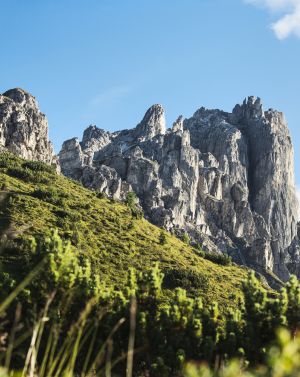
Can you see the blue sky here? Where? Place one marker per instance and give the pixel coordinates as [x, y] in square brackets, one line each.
[105, 62]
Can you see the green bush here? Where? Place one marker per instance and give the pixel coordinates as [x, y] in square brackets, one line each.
[49, 195]
[186, 279]
[101, 195]
[162, 238]
[222, 259]
[28, 175]
[186, 238]
[168, 333]
[29, 171]
[132, 203]
[199, 251]
[8, 160]
[282, 360]
[38, 166]
[19, 172]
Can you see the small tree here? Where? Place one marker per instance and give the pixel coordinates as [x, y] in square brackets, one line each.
[162, 238]
[131, 199]
[131, 202]
[293, 304]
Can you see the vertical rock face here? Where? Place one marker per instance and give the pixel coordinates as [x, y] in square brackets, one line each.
[271, 174]
[226, 178]
[23, 128]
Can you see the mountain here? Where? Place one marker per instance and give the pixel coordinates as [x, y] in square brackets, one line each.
[34, 199]
[226, 179]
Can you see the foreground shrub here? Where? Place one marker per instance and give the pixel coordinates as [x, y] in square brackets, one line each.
[68, 309]
[282, 360]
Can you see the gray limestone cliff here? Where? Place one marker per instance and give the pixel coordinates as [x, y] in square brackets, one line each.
[225, 178]
[23, 128]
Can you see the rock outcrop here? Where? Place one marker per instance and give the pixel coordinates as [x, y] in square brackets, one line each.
[23, 128]
[225, 178]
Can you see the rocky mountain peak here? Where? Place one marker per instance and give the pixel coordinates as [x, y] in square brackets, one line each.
[153, 124]
[251, 108]
[22, 98]
[92, 132]
[23, 128]
[178, 124]
[225, 178]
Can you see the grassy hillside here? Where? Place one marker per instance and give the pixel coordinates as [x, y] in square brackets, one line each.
[34, 200]
[51, 286]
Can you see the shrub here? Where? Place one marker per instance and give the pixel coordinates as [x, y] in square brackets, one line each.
[66, 218]
[186, 279]
[101, 195]
[162, 238]
[3, 185]
[131, 199]
[222, 259]
[28, 175]
[185, 238]
[8, 160]
[38, 166]
[49, 195]
[282, 360]
[131, 202]
[167, 333]
[199, 251]
[19, 172]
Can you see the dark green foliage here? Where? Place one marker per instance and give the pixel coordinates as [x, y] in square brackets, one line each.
[199, 251]
[222, 259]
[101, 195]
[131, 199]
[9, 160]
[168, 332]
[38, 166]
[162, 238]
[3, 186]
[66, 218]
[19, 172]
[132, 203]
[28, 175]
[49, 195]
[291, 297]
[186, 279]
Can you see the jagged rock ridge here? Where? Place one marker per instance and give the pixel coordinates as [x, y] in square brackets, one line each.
[23, 128]
[225, 178]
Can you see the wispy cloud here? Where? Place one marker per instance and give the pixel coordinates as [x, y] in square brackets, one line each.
[288, 12]
[110, 96]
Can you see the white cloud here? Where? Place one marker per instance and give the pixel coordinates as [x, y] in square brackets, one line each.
[289, 16]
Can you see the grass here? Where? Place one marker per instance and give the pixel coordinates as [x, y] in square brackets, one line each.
[34, 199]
